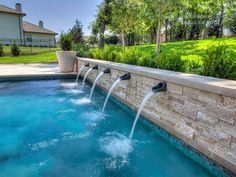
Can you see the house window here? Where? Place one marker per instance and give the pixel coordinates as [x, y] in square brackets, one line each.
[29, 38]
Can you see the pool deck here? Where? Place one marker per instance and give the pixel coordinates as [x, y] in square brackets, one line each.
[31, 70]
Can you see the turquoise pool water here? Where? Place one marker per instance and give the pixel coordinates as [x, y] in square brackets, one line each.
[50, 128]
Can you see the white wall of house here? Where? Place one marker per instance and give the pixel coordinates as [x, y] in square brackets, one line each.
[11, 27]
[39, 39]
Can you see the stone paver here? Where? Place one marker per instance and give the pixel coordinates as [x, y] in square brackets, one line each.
[28, 69]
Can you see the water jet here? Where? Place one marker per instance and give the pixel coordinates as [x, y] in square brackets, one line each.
[161, 87]
[125, 77]
[87, 73]
[106, 71]
[82, 67]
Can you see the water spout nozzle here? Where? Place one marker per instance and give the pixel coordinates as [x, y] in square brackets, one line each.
[95, 67]
[86, 65]
[127, 76]
[161, 87]
[107, 71]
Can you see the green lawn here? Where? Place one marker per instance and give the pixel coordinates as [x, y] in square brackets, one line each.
[191, 49]
[40, 58]
[30, 50]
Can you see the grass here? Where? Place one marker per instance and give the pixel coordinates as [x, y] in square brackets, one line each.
[190, 50]
[30, 50]
[40, 58]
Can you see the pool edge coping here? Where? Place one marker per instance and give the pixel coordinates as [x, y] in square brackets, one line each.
[209, 84]
[23, 77]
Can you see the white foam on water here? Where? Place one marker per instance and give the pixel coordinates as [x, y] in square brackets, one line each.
[111, 163]
[42, 164]
[73, 91]
[93, 116]
[68, 85]
[43, 144]
[67, 111]
[61, 99]
[69, 136]
[93, 125]
[81, 101]
[116, 145]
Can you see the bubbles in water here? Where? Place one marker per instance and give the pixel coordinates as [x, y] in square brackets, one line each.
[93, 116]
[116, 145]
[93, 125]
[41, 164]
[69, 85]
[112, 163]
[73, 91]
[43, 144]
[61, 99]
[67, 111]
[74, 136]
[81, 101]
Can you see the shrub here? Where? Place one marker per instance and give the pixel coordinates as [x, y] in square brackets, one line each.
[171, 61]
[15, 50]
[148, 60]
[194, 65]
[66, 42]
[97, 53]
[218, 62]
[82, 51]
[1, 50]
[130, 56]
[108, 53]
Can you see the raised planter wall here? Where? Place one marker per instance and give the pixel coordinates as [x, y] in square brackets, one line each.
[199, 110]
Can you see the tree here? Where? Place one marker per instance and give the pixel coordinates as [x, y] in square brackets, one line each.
[232, 26]
[127, 18]
[159, 9]
[111, 39]
[101, 21]
[92, 39]
[77, 33]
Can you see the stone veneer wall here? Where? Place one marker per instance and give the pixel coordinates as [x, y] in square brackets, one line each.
[203, 119]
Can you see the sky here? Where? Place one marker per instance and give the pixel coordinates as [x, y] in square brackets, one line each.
[57, 15]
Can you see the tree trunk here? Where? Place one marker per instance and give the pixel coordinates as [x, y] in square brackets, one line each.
[184, 28]
[158, 44]
[123, 41]
[166, 26]
[221, 22]
[101, 36]
[103, 24]
[158, 41]
[171, 32]
[205, 27]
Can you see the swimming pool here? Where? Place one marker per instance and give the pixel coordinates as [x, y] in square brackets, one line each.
[51, 128]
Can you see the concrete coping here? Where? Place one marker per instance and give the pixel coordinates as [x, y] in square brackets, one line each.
[210, 84]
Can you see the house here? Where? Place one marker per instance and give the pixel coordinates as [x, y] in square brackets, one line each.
[14, 29]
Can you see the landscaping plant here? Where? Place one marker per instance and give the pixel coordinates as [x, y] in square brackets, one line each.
[171, 61]
[15, 50]
[66, 42]
[1, 50]
[82, 50]
[217, 62]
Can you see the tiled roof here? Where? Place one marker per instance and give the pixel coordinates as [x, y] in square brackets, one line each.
[6, 9]
[29, 27]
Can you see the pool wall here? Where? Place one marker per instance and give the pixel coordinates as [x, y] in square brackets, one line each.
[201, 111]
